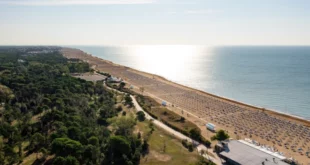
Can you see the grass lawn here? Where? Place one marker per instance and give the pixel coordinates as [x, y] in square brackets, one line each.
[150, 101]
[30, 159]
[175, 153]
[165, 115]
[172, 118]
[119, 98]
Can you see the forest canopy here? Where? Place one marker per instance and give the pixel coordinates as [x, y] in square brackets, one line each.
[64, 120]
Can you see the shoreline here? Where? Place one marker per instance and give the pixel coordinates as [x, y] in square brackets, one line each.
[305, 121]
[281, 132]
[296, 117]
[257, 107]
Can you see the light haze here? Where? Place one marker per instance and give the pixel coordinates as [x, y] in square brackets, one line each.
[135, 22]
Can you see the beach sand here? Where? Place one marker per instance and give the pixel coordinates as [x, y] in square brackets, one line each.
[282, 132]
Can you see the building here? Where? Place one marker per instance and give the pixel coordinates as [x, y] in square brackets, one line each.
[21, 61]
[238, 152]
[114, 79]
[210, 127]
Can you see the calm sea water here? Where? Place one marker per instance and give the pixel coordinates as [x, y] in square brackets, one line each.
[276, 78]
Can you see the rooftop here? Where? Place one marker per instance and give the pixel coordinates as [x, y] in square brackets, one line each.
[247, 155]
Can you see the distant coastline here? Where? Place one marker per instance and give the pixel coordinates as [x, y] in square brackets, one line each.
[239, 119]
[267, 110]
[299, 118]
[270, 77]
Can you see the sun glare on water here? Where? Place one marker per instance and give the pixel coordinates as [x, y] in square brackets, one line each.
[167, 60]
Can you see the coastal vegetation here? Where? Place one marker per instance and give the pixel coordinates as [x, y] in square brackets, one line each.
[159, 146]
[171, 119]
[122, 88]
[104, 74]
[220, 135]
[49, 117]
[165, 148]
[141, 116]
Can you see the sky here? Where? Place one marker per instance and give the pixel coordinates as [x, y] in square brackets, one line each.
[154, 22]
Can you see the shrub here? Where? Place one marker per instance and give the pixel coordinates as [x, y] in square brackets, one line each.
[141, 116]
[145, 147]
[190, 148]
[195, 134]
[139, 135]
[207, 143]
[184, 143]
[182, 119]
[220, 135]
[119, 108]
[128, 100]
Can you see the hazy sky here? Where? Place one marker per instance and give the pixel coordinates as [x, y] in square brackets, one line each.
[132, 22]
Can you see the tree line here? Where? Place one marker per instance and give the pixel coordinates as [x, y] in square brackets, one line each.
[45, 111]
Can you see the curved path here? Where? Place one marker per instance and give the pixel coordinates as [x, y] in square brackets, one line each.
[175, 133]
[170, 130]
[162, 125]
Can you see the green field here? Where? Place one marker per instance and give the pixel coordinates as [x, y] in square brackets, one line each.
[174, 154]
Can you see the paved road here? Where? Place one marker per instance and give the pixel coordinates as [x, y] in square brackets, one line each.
[175, 133]
[162, 125]
[170, 130]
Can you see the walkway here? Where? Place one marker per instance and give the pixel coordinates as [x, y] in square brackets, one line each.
[175, 133]
[170, 130]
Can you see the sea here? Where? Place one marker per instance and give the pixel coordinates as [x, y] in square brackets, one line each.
[271, 77]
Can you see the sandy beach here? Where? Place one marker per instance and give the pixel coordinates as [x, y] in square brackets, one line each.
[280, 132]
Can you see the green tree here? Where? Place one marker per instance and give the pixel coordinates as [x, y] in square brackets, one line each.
[2, 153]
[141, 116]
[70, 160]
[37, 141]
[190, 147]
[41, 155]
[5, 93]
[123, 125]
[121, 85]
[74, 133]
[195, 133]
[65, 147]
[62, 131]
[93, 141]
[119, 108]
[145, 147]
[220, 135]
[71, 112]
[91, 154]
[128, 100]
[182, 119]
[119, 150]
[10, 155]
[59, 160]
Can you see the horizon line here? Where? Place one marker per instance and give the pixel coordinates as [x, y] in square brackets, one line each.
[124, 45]
[74, 2]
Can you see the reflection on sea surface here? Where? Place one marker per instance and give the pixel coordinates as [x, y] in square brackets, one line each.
[177, 63]
[271, 77]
